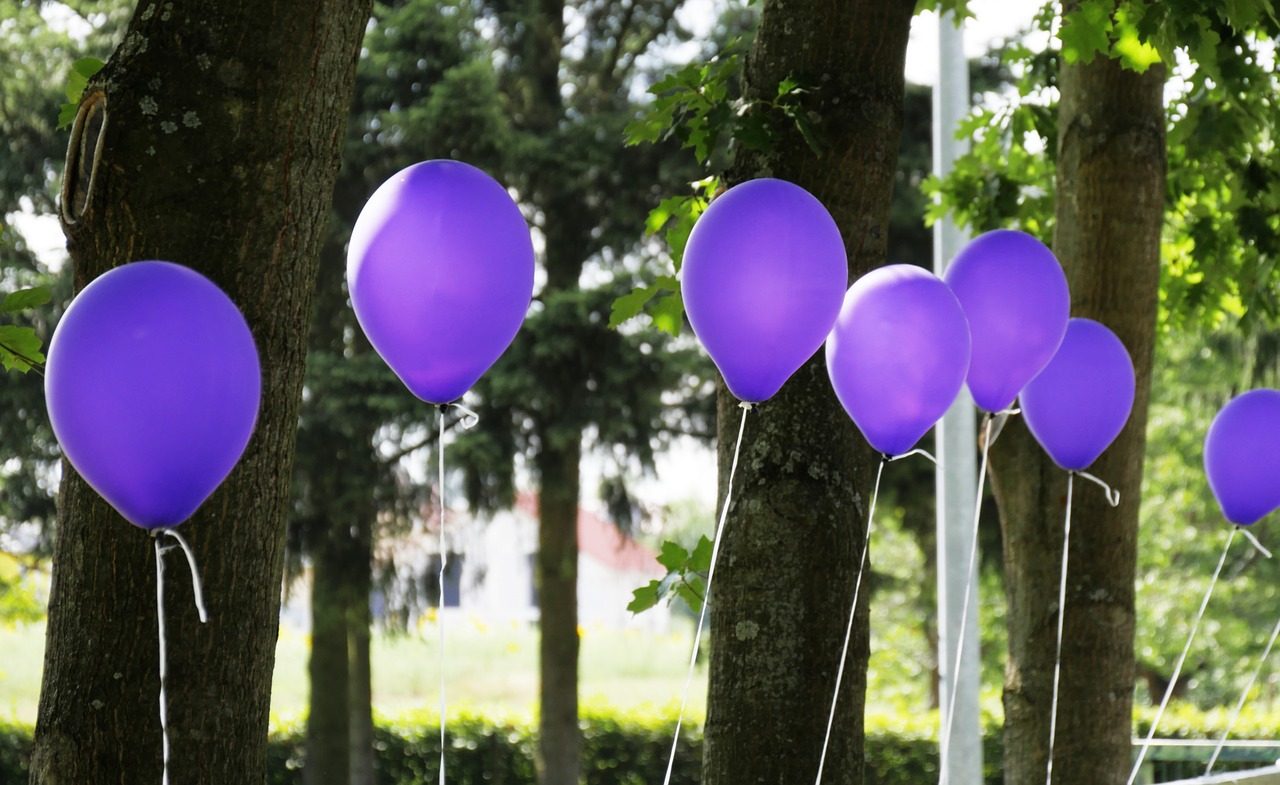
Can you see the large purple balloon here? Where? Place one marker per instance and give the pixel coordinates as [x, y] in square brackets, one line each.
[898, 354]
[1242, 456]
[1079, 403]
[153, 388]
[1015, 295]
[764, 273]
[440, 269]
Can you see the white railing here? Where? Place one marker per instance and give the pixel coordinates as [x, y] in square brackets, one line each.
[1269, 775]
[1182, 761]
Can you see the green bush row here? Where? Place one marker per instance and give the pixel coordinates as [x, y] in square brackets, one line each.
[630, 747]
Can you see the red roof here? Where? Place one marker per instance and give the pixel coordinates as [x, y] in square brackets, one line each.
[603, 541]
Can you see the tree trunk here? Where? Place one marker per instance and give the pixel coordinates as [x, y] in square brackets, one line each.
[360, 673]
[786, 571]
[1110, 191]
[328, 717]
[220, 153]
[557, 463]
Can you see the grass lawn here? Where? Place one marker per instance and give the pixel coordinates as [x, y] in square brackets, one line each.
[485, 667]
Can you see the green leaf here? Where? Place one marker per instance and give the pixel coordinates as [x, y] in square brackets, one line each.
[628, 305]
[644, 598]
[82, 71]
[26, 298]
[753, 134]
[673, 556]
[19, 348]
[787, 86]
[1086, 31]
[658, 216]
[67, 115]
[686, 593]
[807, 130]
[668, 313]
[1130, 49]
[700, 559]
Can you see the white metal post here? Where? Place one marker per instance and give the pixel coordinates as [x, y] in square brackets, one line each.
[957, 451]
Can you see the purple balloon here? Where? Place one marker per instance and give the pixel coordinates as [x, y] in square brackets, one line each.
[153, 387]
[1015, 295]
[763, 276]
[1080, 402]
[898, 354]
[440, 269]
[1242, 456]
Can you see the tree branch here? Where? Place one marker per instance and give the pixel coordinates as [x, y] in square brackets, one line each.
[38, 367]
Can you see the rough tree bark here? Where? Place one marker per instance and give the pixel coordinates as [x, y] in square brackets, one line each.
[219, 153]
[1109, 210]
[786, 571]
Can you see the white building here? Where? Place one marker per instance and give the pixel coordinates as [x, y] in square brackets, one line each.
[489, 573]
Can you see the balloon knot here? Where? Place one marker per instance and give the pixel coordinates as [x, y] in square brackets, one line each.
[746, 406]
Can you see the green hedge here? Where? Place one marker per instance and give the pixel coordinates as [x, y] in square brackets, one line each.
[629, 747]
[618, 748]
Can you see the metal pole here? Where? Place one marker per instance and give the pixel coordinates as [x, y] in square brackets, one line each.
[957, 451]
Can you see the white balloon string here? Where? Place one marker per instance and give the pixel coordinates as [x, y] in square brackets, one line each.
[440, 580]
[1254, 542]
[1177, 668]
[999, 419]
[1062, 614]
[198, 590]
[1244, 696]
[1113, 494]
[706, 598]
[469, 418]
[917, 451]
[164, 666]
[968, 588]
[853, 610]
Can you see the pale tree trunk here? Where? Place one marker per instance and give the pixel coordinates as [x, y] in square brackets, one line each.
[220, 154]
[785, 576]
[1110, 191]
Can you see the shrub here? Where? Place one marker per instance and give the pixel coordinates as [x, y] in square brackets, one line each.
[631, 747]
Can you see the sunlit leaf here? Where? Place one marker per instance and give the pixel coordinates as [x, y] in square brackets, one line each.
[26, 298]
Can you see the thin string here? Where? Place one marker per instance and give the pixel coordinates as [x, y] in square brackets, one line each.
[1113, 494]
[917, 451]
[1254, 541]
[711, 571]
[440, 607]
[1177, 668]
[853, 610]
[1062, 614]
[198, 591]
[968, 587]
[1222, 740]
[468, 420]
